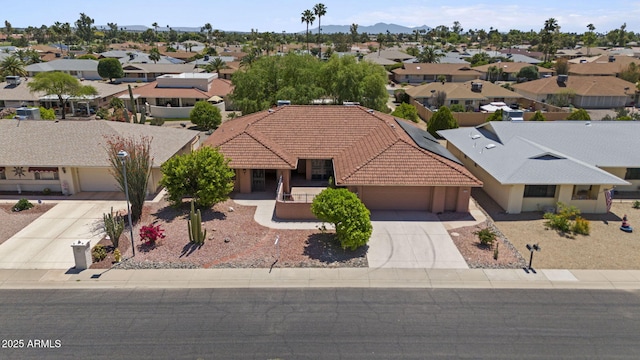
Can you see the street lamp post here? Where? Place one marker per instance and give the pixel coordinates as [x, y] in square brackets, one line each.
[122, 155]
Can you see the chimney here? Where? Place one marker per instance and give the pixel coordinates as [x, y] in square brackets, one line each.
[612, 58]
[562, 78]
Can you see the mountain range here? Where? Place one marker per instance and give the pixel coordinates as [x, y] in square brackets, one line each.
[326, 29]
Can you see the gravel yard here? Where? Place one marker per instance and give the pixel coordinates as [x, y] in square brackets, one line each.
[12, 222]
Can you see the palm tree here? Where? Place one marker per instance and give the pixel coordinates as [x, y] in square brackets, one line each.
[429, 55]
[319, 10]
[155, 28]
[12, 66]
[208, 29]
[216, 65]
[248, 59]
[308, 17]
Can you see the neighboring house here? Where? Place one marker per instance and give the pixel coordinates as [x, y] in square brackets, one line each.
[524, 52]
[388, 56]
[136, 57]
[514, 56]
[471, 94]
[419, 73]
[389, 163]
[206, 59]
[605, 65]
[576, 53]
[589, 92]
[173, 96]
[508, 71]
[530, 166]
[80, 68]
[19, 95]
[149, 72]
[71, 156]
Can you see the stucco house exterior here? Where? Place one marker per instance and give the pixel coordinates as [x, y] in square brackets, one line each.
[471, 94]
[588, 92]
[531, 165]
[418, 73]
[390, 163]
[70, 156]
[85, 69]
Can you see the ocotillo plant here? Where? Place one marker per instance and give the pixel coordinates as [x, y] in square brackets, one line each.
[196, 235]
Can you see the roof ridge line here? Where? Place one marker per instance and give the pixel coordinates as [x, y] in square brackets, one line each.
[263, 141]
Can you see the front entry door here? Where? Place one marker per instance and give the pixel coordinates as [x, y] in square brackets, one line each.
[257, 180]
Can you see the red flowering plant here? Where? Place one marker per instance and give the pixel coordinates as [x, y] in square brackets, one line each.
[149, 234]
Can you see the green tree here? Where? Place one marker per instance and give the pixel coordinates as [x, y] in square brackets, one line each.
[308, 17]
[84, 28]
[630, 73]
[343, 209]
[64, 86]
[429, 55]
[110, 68]
[205, 115]
[154, 55]
[548, 37]
[406, 111]
[216, 65]
[319, 10]
[203, 175]
[562, 66]
[589, 38]
[579, 114]
[538, 116]
[528, 72]
[137, 165]
[495, 116]
[12, 66]
[441, 120]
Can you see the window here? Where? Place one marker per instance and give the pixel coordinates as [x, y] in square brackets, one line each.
[632, 174]
[455, 101]
[3, 175]
[539, 191]
[46, 175]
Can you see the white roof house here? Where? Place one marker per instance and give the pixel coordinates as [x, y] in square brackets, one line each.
[574, 156]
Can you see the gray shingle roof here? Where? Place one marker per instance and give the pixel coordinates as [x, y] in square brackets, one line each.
[64, 65]
[80, 143]
[560, 152]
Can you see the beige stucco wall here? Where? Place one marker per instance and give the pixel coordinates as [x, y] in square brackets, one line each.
[243, 181]
[396, 197]
[294, 211]
[621, 172]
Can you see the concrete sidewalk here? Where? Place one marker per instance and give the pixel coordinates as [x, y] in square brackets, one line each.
[320, 278]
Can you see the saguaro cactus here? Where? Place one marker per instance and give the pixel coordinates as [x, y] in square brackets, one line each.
[196, 235]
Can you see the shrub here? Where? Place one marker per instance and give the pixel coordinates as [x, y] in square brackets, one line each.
[406, 111]
[156, 121]
[457, 108]
[486, 236]
[149, 234]
[205, 115]
[581, 226]
[347, 213]
[22, 204]
[98, 253]
[537, 116]
[46, 191]
[636, 204]
[47, 114]
[102, 113]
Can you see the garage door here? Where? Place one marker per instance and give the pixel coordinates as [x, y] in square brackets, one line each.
[397, 197]
[98, 179]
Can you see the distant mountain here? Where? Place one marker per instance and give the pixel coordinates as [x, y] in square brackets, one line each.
[373, 29]
[326, 29]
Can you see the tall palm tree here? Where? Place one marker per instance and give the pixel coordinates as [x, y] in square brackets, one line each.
[429, 55]
[319, 10]
[154, 55]
[216, 65]
[12, 66]
[308, 17]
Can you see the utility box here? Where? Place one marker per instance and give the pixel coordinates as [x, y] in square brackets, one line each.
[512, 115]
[24, 113]
[82, 253]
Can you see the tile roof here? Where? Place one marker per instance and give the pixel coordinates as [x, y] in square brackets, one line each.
[219, 87]
[582, 85]
[367, 147]
[602, 66]
[435, 69]
[80, 143]
[462, 91]
[512, 67]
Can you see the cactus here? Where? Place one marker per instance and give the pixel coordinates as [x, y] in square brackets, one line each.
[196, 235]
[113, 226]
[117, 256]
[143, 118]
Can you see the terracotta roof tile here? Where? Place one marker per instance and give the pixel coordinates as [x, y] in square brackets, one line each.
[367, 147]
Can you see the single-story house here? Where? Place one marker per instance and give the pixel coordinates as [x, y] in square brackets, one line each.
[71, 156]
[149, 72]
[418, 73]
[12, 95]
[173, 96]
[508, 71]
[605, 65]
[389, 163]
[471, 94]
[531, 165]
[86, 69]
[589, 92]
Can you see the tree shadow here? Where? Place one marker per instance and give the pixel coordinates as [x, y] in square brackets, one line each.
[210, 214]
[326, 249]
[169, 213]
[189, 249]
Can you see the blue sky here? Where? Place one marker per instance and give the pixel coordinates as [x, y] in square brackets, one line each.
[243, 15]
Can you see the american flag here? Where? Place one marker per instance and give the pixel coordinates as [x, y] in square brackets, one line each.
[608, 195]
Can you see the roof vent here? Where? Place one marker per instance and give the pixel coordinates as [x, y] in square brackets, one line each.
[612, 58]
[283, 102]
[206, 58]
[271, 111]
[489, 146]
[370, 111]
[563, 78]
[476, 87]
[476, 136]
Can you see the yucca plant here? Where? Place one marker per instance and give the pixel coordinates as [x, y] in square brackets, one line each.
[113, 226]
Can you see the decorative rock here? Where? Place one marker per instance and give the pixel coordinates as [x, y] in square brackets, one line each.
[226, 240]
[455, 234]
[231, 209]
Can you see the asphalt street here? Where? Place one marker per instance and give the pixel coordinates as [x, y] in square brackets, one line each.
[319, 324]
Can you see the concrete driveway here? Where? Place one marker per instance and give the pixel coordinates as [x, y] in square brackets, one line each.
[411, 239]
[46, 242]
